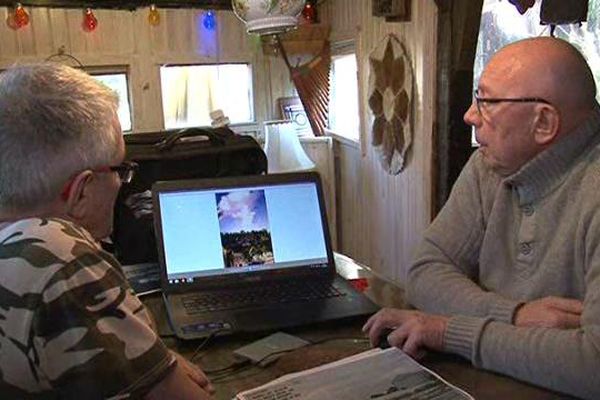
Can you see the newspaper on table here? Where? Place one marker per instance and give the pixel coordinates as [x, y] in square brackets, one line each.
[375, 374]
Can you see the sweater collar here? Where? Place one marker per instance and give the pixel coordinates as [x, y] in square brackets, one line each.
[548, 169]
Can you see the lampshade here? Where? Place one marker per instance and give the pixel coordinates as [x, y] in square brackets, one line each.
[283, 148]
[268, 17]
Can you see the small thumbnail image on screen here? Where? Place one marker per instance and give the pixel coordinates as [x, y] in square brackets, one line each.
[244, 226]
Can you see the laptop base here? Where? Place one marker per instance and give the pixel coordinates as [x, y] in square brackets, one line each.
[267, 318]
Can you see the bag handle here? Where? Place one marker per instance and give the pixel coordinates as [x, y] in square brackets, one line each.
[193, 135]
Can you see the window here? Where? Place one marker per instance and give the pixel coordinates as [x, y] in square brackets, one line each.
[343, 105]
[191, 92]
[118, 83]
[501, 24]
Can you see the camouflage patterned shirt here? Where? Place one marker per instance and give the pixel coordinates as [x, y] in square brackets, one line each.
[70, 325]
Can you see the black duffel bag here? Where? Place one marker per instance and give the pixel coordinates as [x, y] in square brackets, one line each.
[169, 155]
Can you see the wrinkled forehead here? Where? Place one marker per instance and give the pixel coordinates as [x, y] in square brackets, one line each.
[507, 68]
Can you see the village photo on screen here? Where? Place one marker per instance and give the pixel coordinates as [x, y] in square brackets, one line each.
[244, 227]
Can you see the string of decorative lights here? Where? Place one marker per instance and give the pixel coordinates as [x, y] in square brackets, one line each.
[19, 18]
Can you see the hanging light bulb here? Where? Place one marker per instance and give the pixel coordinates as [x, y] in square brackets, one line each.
[21, 18]
[209, 21]
[90, 22]
[153, 16]
[309, 12]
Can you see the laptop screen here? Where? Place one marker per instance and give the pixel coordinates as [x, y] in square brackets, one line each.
[213, 232]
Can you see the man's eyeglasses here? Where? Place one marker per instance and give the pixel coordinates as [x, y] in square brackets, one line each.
[125, 170]
[494, 100]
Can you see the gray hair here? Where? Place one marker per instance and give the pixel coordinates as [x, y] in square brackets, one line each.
[55, 121]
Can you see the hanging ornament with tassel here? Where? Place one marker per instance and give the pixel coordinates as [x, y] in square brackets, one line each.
[19, 18]
[90, 23]
[309, 12]
[153, 16]
[210, 20]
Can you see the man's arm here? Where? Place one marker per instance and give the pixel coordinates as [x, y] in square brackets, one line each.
[548, 350]
[442, 278]
[566, 360]
[94, 337]
[189, 373]
[563, 359]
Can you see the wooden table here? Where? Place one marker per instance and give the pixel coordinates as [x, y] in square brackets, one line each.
[335, 341]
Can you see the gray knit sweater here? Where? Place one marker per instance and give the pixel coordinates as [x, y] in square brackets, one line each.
[499, 242]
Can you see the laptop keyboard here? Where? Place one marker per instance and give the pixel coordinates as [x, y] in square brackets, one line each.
[271, 293]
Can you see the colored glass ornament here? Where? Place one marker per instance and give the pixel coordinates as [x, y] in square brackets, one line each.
[21, 18]
[90, 22]
[153, 16]
[309, 12]
[209, 21]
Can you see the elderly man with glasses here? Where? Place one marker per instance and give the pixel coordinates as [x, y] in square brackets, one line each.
[70, 326]
[508, 274]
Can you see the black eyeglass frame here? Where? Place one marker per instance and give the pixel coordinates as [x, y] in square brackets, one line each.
[495, 100]
[126, 170]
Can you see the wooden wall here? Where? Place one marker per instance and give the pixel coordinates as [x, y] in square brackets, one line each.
[382, 217]
[125, 38]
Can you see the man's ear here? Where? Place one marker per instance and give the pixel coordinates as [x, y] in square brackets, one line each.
[546, 124]
[78, 198]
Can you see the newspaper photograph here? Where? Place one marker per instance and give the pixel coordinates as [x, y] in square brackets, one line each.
[373, 375]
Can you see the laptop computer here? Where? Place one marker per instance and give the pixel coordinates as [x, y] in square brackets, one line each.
[245, 254]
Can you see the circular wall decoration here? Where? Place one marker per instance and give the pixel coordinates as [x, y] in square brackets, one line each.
[390, 102]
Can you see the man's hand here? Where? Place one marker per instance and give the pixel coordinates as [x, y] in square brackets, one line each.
[194, 373]
[184, 382]
[550, 312]
[414, 331]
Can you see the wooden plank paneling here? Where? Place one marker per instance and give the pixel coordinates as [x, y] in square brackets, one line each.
[56, 31]
[41, 39]
[126, 38]
[382, 217]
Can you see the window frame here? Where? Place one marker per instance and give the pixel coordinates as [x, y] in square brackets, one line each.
[340, 49]
[252, 97]
[95, 70]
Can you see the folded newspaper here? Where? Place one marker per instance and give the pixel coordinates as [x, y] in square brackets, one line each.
[375, 374]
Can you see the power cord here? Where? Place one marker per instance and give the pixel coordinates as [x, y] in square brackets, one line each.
[233, 365]
[207, 339]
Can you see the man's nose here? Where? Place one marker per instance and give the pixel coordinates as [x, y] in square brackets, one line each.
[472, 116]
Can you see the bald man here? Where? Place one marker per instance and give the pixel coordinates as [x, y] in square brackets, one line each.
[508, 274]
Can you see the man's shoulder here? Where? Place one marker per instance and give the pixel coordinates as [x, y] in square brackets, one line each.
[53, 234]
[34, 250]
[586, 172]
[51, 225]
[91, 335]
